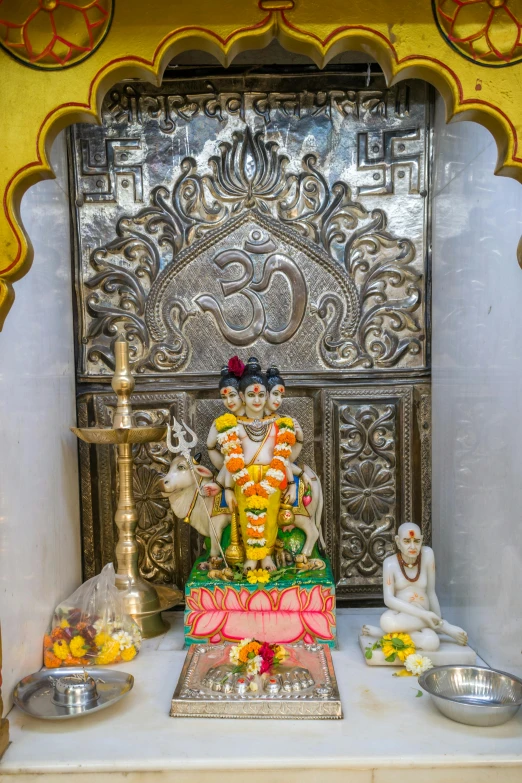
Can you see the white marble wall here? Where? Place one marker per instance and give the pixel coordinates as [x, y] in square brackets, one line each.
[477, 391]
[39, 499]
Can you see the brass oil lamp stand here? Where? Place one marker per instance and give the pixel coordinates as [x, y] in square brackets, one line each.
[142, 600]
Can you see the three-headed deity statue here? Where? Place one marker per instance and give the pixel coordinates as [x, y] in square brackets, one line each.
[257, 451]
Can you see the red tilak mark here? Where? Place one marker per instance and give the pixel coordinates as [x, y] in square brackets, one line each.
[412, 533]
[226, 391]
[256, 389]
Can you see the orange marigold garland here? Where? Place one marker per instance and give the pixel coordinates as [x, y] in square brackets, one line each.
[257, 493]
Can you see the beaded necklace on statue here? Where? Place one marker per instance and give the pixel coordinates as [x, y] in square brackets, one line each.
[256, 429]
[417, 562]
[257, 493]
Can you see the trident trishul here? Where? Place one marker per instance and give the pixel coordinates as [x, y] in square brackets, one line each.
[178, 433]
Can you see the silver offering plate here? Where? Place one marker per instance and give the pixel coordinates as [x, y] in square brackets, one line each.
[55, 694]
[303, 687]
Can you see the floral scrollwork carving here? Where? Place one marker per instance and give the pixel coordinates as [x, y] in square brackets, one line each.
[154, 532]
[367, 486]
[250, 173]
[365, 546]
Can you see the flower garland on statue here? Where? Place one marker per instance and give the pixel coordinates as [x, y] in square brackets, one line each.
[258, 494]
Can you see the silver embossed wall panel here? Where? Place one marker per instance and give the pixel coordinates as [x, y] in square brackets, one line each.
[273, 214]
[282, 216]
[375, 440]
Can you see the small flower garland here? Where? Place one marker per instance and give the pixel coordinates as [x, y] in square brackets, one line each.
[254, 657]
[257, 493]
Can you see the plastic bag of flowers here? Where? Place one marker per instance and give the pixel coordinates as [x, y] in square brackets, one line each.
[91, 628]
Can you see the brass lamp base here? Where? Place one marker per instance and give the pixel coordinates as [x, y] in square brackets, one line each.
[145, 603]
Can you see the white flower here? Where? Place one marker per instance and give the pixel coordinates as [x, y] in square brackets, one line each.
[418, 664]
[254, 665]
[256, 541]
[223, 436]
[277, 474]
[234, 655]
[269, 489]
[99, 625]
[124, 639]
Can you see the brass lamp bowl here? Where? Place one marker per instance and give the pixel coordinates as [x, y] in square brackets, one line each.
[116, 436]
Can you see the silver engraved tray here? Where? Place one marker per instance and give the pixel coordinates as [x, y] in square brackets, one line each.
[303, 687]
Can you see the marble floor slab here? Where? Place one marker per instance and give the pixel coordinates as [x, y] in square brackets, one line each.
[389, 734]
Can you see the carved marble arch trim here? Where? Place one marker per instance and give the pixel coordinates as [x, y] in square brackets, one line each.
[54, 100]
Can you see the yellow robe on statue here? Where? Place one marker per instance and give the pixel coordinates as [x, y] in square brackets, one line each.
[257, 473]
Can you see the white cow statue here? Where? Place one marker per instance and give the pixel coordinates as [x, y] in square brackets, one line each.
[188, 503]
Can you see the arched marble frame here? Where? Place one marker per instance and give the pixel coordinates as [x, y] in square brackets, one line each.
[402, 36]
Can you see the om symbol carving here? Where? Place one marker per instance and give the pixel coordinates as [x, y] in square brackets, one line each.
[247, 286]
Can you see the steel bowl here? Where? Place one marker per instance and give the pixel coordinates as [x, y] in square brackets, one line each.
[474, 695]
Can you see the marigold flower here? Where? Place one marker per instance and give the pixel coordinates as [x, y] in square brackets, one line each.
[257, 502]
[225, 422]
[78, 646]
[260, 575]
[399, 645]
[234, 464]
[51, 661]
[255, 533]
[129, 653]
[285, 421]
[101, 638]
[280, 652]
[249, 651]
[61, 649]
[108, 652]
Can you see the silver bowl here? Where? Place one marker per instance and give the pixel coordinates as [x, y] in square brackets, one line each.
[474, 695]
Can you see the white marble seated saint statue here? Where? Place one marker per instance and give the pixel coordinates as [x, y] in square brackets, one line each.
[409, 594]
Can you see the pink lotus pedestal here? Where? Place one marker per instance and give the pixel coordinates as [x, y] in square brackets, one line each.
[286, 611]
